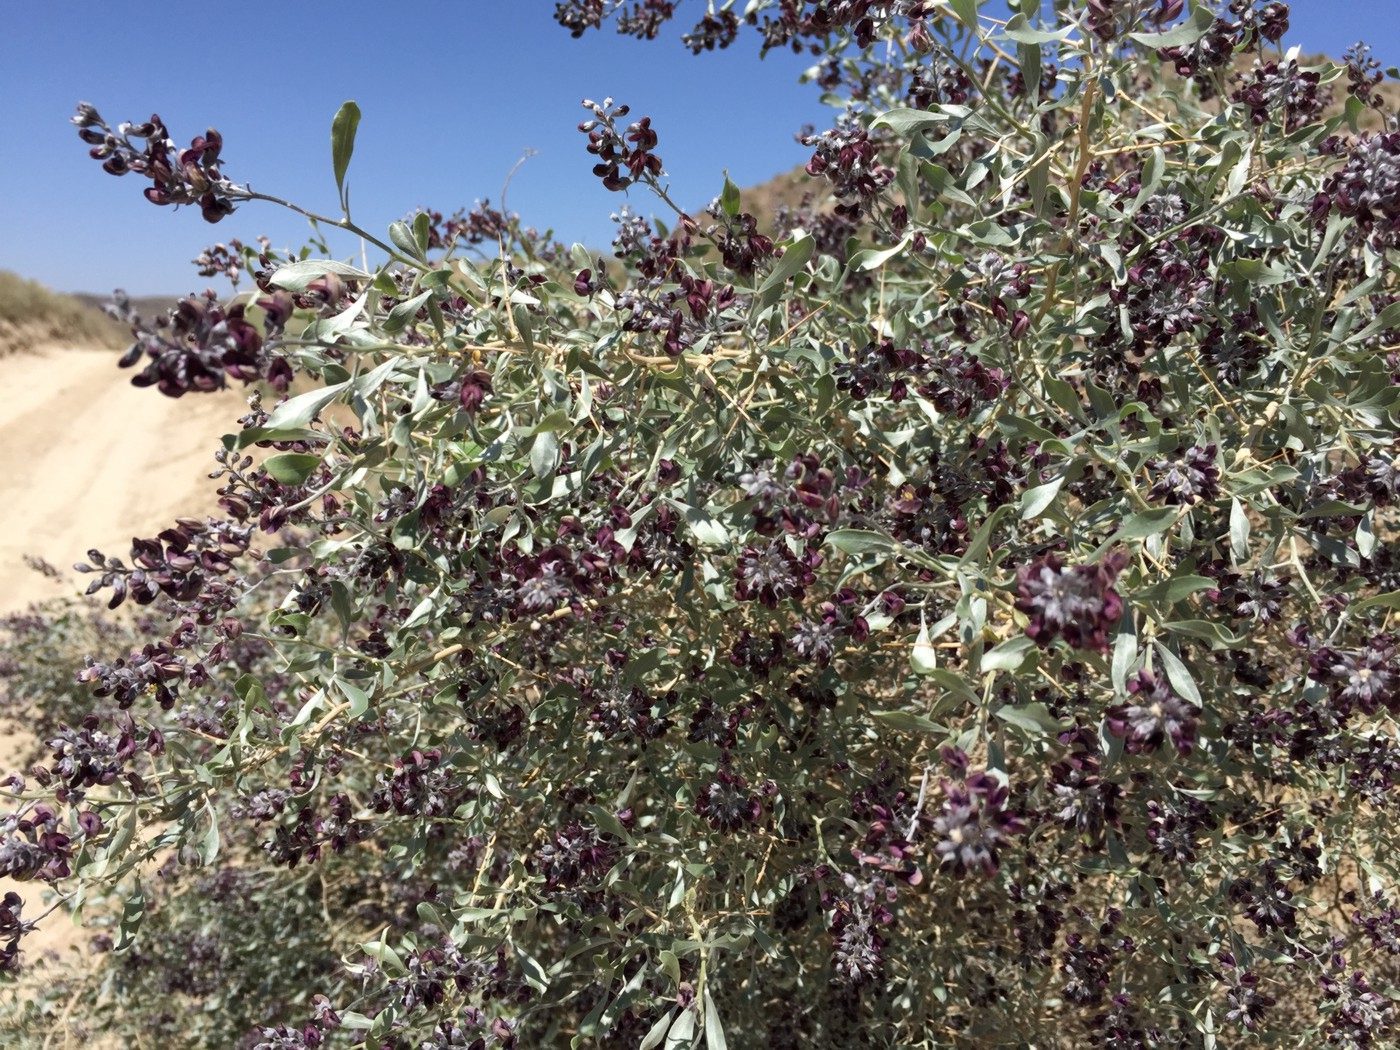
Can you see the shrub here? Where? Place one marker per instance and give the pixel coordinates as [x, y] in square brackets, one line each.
[958, 616]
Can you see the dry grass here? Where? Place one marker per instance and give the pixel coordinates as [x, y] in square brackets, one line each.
[32, 316]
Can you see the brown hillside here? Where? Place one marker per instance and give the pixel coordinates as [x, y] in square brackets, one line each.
[32, 316]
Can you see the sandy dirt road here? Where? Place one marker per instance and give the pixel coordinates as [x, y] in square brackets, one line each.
[88, 460]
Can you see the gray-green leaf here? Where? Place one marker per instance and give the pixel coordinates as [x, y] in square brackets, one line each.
[343, 128]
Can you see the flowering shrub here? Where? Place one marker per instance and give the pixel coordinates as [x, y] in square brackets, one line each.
[962, 615]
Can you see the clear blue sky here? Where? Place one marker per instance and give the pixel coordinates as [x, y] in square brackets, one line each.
[453, 92]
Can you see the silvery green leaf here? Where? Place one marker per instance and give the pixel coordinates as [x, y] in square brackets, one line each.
[297, 276]
[1177, 674]
[343, 128]
[1239, 532]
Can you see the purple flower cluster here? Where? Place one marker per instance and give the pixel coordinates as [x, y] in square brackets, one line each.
[1167, 293]
[310, 1035]
[858, 915]
[1282, 92]
[974, 822]
[1257, 596]
[470, 389]
[200, 344]
[420, 785]
[1075, 602]
[1357, 1015]
[940, 82]
[623, 157]
[1108, 18]
[1082, 797]
[1366, 679]
[728, 803]
[1364, 75]
[1367, 190]
[191, 176]
[1153, 716]
[12, 928]
[1252, 21]
[957, 383]
[1374, 480]
[34, 846]
[576, 856]
[1189, 478]
[178, 562]
[799, 26]
[772, 573]
[849, 159]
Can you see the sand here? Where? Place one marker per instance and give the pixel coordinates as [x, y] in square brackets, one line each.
[88, 460]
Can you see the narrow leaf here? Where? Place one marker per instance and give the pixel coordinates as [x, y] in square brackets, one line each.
[1147, 523]
[795, 257]
[343, 128]
[300, 410]
[658, 1032]
[1239, 532]
[1125, 651]
[1177, 674]
[923, 658]
[714, 1030]
[907, 721]
[966, 11]
[861, 541]
[1008, 656]
[729, 198]
[1187, 32]
[1035, 501]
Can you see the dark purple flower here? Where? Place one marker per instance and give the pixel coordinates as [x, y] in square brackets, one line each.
[191, 176]
[815, 641]
[1190, 478]
[772, 573]
[1364, 74]
[1356, 1015]
[1247, 1003]
[623, 157]
[857, 917]
[1077, 603]
[194, 346]
[1083, 799]
[1154, 715]
[1367, 189]
[1282, 92]
[727, 803]
[576, 855]
[476, 384]
[1366, 678]
[848, 157]
[974, 823]
[1382, 476]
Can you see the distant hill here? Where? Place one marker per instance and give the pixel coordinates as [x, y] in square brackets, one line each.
[32, 316]
[148, 306]
[784, 190]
